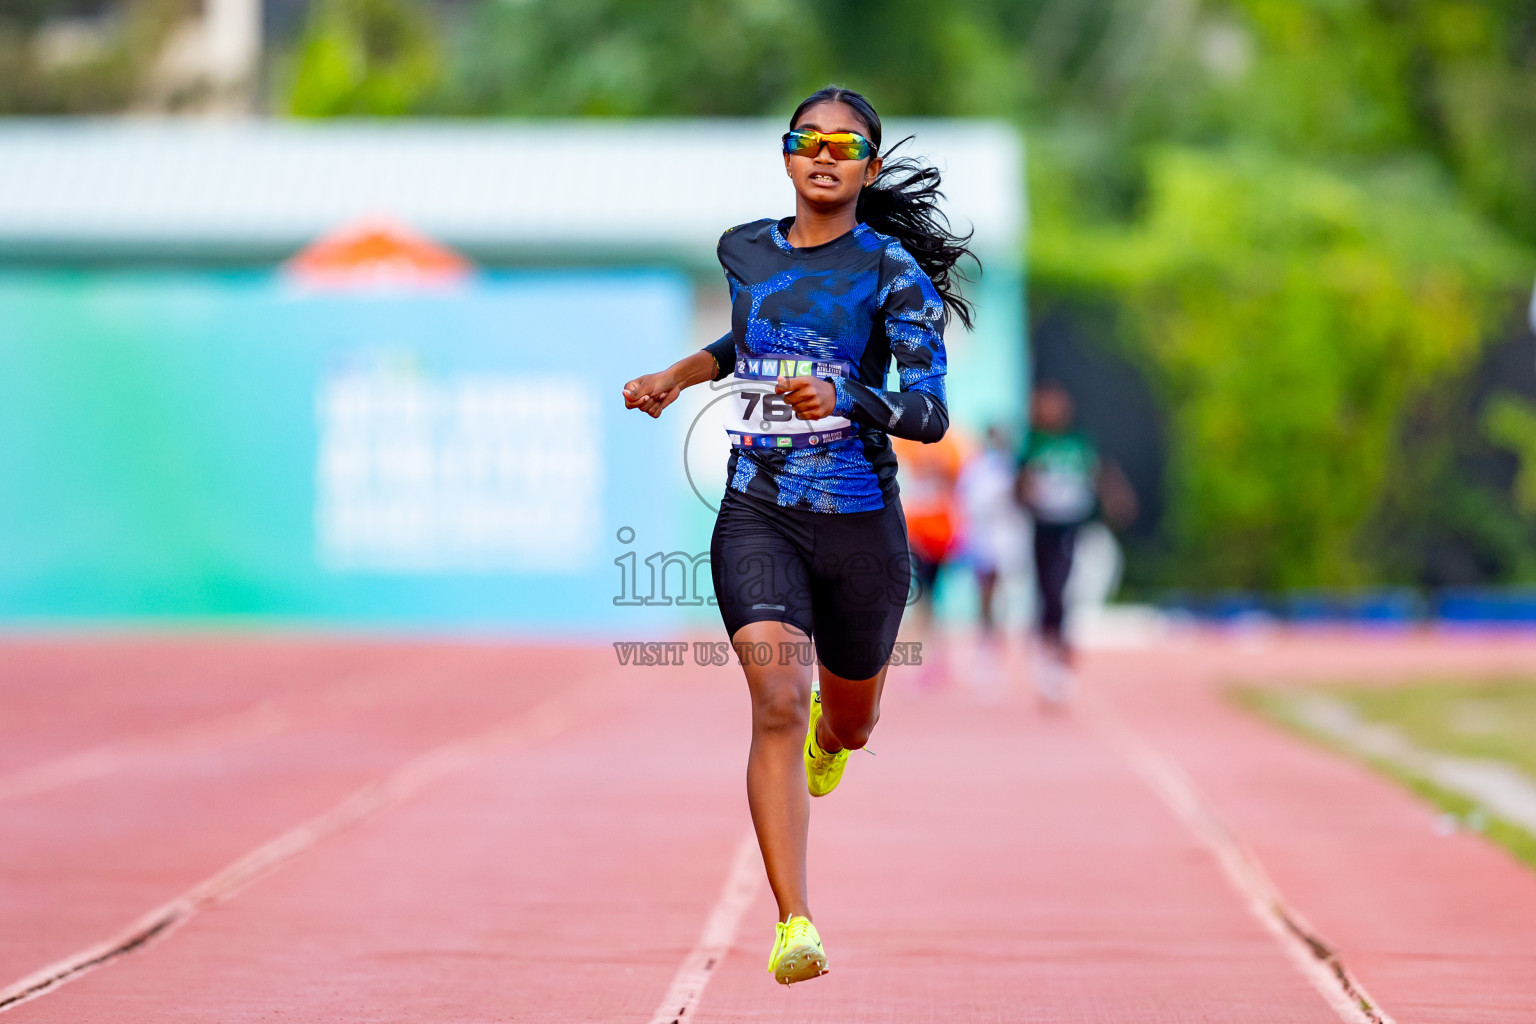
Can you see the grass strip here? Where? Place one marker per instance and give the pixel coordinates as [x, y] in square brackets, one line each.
[1275, 706]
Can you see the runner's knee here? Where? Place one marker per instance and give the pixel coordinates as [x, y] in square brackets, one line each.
[783, 708]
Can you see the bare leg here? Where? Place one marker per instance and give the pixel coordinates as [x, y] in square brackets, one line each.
[849, 710]
[986, 582]
[776, 793]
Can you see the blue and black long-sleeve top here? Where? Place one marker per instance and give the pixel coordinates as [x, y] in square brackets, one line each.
[861, 298]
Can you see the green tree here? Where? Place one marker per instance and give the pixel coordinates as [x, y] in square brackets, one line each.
[1510, 422]
[602, 57]
[1292, 317]
[364, 57]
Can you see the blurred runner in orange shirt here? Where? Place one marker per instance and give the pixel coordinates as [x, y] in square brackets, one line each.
[927, 474]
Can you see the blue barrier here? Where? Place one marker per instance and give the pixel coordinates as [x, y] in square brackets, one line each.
[1512, 607]
[1398, 607]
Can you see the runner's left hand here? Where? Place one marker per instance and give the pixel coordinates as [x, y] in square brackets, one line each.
[811, 397]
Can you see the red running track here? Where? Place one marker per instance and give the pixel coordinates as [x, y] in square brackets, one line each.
[347, 831]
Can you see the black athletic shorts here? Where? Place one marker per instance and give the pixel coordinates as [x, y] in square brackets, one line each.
[841, 577]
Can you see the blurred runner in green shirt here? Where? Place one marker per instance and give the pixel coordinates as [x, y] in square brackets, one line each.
[1063, 483]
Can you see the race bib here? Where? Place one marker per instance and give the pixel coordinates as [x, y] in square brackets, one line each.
[760, 418]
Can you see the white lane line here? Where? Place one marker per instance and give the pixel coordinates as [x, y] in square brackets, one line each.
[544, 720]
[746, 876]
[1317, 961]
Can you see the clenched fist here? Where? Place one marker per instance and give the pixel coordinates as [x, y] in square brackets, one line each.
[652, 392]
[811, 397]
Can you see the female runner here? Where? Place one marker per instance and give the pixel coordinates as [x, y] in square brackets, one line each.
[810, 539]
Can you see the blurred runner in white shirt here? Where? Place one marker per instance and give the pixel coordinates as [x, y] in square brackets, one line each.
[994, 525]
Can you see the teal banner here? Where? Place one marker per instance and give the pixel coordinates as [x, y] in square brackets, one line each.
[201, 446]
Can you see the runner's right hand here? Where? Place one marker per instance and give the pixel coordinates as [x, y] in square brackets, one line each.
[651, 393]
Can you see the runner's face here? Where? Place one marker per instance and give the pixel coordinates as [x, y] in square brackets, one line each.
[1052, 409]
[820, 180]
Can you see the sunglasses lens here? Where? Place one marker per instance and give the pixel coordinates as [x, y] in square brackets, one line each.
[802, 143]
[847, 146]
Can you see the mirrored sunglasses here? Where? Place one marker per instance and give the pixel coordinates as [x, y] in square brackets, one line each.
[842, 145]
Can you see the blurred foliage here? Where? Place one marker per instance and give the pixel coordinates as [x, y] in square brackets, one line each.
[364, 57]
[1291, 314]
[1510, 421]
[1332, 78]
[1445, 516]
[601, 57]
[65, 57]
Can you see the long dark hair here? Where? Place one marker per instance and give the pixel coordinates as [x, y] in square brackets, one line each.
[903, 202]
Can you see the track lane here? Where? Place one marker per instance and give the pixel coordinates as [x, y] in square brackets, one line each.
[70, 696]
[563, 880]
[263, 703]
[81, 862]
[1439, 928]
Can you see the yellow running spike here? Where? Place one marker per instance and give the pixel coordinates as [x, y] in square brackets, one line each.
[797, 954]
[823, 771]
